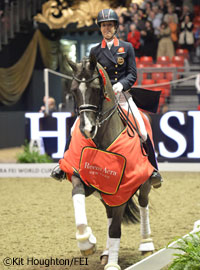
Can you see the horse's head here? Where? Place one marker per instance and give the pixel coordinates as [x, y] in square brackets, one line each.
[88, 90]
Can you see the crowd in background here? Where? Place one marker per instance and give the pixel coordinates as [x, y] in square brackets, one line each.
[159, 27]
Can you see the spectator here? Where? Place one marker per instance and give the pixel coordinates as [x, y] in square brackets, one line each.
[190, 5]
[134, 8]
[51, 105]
[165, 44]
[186, 36]
[134, 38]
[140, 24]
[158, 13]
[122, 29]
[149, 47]
[142, 15]
[127, 15]
[156, 22]
[162, 6]
[170, 14]
[148, 8]
[185, 11]
[122, 32]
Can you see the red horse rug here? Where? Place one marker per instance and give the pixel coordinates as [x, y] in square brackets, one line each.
[117, 172]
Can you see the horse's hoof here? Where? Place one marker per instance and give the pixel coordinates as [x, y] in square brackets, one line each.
[88, 252]
[146, 246]
[112, 266]
[86, 242]
[146, 253]
[104, 257]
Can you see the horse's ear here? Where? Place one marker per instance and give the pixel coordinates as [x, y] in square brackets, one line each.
[71, 64]
[93, 61]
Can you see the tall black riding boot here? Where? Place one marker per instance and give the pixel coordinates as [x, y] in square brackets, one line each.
[156, 178]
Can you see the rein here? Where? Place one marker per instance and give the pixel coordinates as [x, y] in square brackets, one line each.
[133, 128]
[110, 111]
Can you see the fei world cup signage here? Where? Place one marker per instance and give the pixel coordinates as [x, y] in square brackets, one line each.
[177, 134]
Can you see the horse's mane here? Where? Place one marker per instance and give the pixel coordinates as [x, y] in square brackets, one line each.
[107, 84]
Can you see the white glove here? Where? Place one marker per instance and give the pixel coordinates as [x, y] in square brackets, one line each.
[117, 88]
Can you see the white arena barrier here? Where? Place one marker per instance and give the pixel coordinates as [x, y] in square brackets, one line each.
[162, 257]
[26, 170]
[31, 170]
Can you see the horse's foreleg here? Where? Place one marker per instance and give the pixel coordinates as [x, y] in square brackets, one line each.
[86, 240]
[104, 255]
[146, 244]
[114, 235]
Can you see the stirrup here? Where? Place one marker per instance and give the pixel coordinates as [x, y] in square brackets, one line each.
[86, 242]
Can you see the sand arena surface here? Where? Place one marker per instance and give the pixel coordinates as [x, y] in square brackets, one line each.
[37, 221]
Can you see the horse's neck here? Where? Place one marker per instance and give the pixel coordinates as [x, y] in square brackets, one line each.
[109, 131]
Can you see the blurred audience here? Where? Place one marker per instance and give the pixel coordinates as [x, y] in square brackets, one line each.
[149, 47]
[165, 44]
[186, 35]
[162, 6]
[134, 38]
[178, 32]
[156, 22]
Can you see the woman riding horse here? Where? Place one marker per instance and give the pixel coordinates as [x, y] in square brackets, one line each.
[118, 59]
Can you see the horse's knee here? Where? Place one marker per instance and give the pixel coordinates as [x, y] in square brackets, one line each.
[79, 189]
[143, 197]
[143, 201]
[115, 230]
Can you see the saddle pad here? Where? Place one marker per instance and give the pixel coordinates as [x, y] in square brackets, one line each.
[102, 170]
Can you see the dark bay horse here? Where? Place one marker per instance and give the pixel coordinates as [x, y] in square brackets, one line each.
[99, 127]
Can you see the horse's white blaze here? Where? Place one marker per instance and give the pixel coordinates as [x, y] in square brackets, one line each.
[88, 125]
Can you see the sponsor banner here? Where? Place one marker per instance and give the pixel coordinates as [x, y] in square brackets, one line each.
[102, 169]
[43, 170]
[176, 134]
[26, 170]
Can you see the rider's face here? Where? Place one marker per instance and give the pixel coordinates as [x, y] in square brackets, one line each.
[108, 30]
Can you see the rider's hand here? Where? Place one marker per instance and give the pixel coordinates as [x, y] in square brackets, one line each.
[117, 88]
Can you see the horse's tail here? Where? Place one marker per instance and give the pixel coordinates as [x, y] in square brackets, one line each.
[131, 213]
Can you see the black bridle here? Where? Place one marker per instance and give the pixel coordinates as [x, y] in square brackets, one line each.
[94, 108]
[87, 107]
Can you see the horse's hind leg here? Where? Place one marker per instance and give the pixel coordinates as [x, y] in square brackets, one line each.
[146, 244]
[115, 215]
[86, 240]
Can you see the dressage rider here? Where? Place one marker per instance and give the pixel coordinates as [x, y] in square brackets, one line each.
[118, 59]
